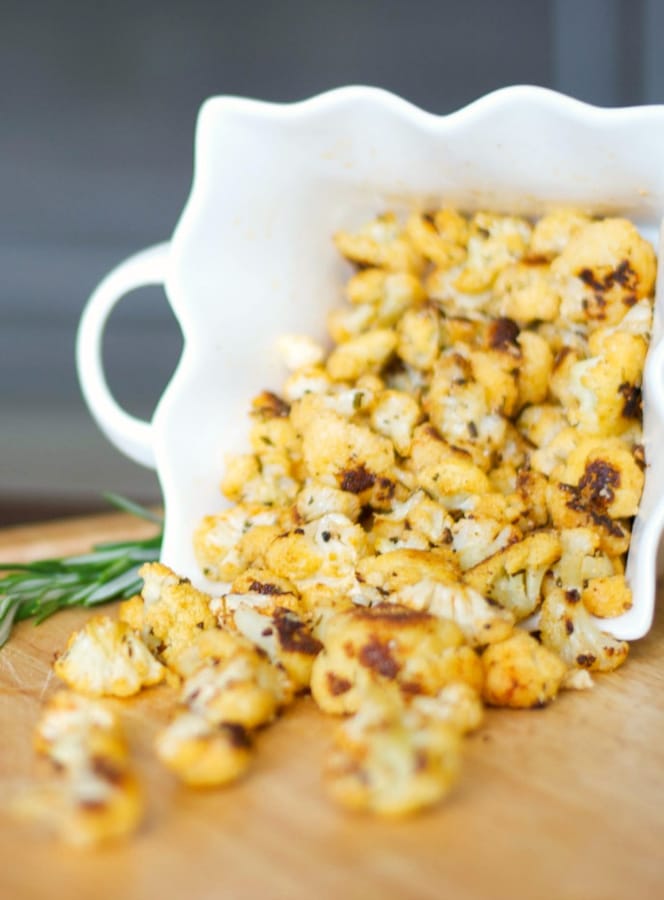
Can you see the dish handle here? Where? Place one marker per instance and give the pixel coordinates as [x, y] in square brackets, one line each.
[131, 435]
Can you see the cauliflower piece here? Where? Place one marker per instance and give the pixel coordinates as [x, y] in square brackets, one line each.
[479, 621]
[106, 658]
[551, 454]
[525, 292]
[202, 754]
[475, 539]
[570, 509]
[389, 293]
[605, 268]
[552, 232]
[494, 243]
[418, 333]
[519, 672]
[569, 630]
[388, 642]
[604, 477]
[418, 515]
[357, 356]
[309, 380]
[316, 500]
[432, 245]
[285, 638]
[380, 764]
[513, 577]
[457, 705]
[391, 571]
[451, 226]
[241, 687]
[262, 590]
[581, 561]
[395, 415]
[96, 798]
[218, 540]
[382, 243]
[299, 351]
[607, 596]
[541, 424]
[341, 454]
[344, 323]
[175, 611]
[535, 368]
[497, 372]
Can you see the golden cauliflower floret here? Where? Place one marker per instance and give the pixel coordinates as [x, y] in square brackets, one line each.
[513, 577]
[607, 596]
[175, 611]
[455, 482]
[360, 355]
[381, 242]
[535, 368]
[570, 509]
[132, 613]
[431, 244]
[316, 499]
[381, 764]
[605, 390]
[345, 323]
[203, 754]
[569, 630]
[262, 590]
[309, 380]
[552, 232]
[605, 476]
[217, 540]
[419, 515]
[388, 643]
[603, 271]
[497, 372]
[345, 455]
[395, 415]
[582, 559]
[525, 293]
[418, 335]
[391, 571]
[96, 797]
[285, 637]
[476, 538]
[541, 423]
[494, 243]
[480, 622]
[243, 688]
[107, 658]
[240, 468]
[519, 672]
[457, 705]
[390, 294]
[549, 456]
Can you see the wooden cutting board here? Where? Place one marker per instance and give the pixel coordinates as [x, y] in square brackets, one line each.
[561, 803]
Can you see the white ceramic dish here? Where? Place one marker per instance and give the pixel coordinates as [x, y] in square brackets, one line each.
[252, 258]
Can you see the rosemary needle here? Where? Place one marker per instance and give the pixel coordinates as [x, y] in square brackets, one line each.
[36, 590]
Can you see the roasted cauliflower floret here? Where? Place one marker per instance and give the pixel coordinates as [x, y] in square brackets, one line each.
[388, 643]
[552, 232]
[107, 658]
[581, 561]
[203, 754]
[418, 333]
[380, 764]
[395, 415]
[96, 797]
[361, 355]
[520, 672]
[607, 596]
[535, 368]
[438, 248]
[513, 576]
[525, 292]
[381, 242]
[480, 622]
[175, 611]
[389, 294]
[475, 539]
[391, 571]
[494, 242]
[218, 540]
[605, 268]
[569, 630]
[457, 705]
[299, 351]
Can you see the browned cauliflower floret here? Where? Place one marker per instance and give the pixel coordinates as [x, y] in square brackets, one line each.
[513, 576]
[175, 611]
[395, 415]
[438, 248]
[417, 522]
[383, 764]
[475, 539]
[569, 630]
[285, 637]
[520, 672]
[552, 232]
[418, 333]
[603, 271]
[107, 658]
[495, 242]
[203, 754]
[96, 797]
[389, 294]
[218, 540]
[525, 292]
[360, 355]
[607, 596]
[316, 500]
[381, 242]
[541, 423]
[388, 643]
[262, 590]
[535, 368]
[391, 571]
[480, 622]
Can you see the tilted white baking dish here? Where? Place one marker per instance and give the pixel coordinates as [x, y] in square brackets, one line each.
[252, 258]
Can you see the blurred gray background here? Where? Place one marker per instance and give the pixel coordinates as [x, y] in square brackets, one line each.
[97, 111]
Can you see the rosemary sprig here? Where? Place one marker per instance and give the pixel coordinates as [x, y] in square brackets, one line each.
[108, 572]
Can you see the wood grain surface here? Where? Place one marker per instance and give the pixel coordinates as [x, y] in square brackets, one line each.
[561, 803]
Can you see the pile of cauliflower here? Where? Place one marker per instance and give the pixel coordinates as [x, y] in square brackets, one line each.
[432, 517]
